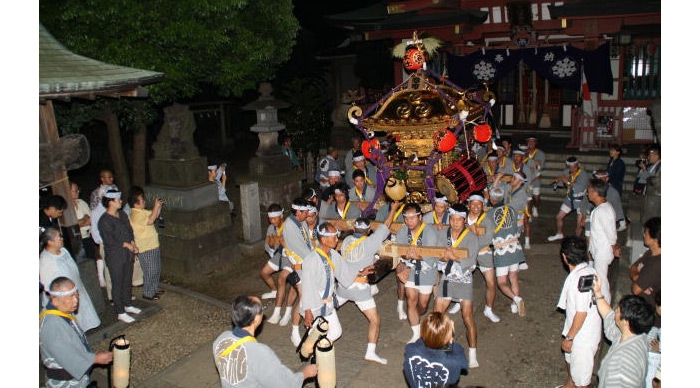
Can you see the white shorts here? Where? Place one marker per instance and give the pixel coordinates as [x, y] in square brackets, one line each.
[535, 190]
[362, 305]
[273, 265]
[503, 271]
[566, 207]
[581, 361]
[425, 290]
[334, 328]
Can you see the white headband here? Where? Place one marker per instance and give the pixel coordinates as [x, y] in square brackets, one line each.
[113, 195]
[574, 161]
[410, 215]
[361, 225]
[275, 214]
[441, 199]
[326, 233]
[358, 158]
[312, 209]
[333, 173]
[212, 167]
[299, 207]
[493, 157]
[64, 293]
[476, 197]
[456, 213]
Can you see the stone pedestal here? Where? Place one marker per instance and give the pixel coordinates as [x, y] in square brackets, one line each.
[198, 235]
[180, 173]
[250, 212]
[281, 189]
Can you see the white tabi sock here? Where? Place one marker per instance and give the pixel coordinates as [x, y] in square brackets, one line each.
[296, 338]
[416, 334]
[275, 318]
[287, 316]
[371, 354]
[401, 311]
[473, 363]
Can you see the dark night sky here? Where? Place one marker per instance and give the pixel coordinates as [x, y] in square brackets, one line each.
[310, 15]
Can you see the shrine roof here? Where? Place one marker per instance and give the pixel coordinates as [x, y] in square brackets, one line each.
[604, 8]
[378, 17]
[63, 73]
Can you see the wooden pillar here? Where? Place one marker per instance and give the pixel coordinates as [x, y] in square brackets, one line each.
[48, 134]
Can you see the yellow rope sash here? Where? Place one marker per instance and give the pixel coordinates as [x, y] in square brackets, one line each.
[572, 179]
[236, 344]
[325, 256]
[398, 213]
[503, 219]
[420, 230]
[56, 312]
[353, 245]
[345, 211]
[461, 237]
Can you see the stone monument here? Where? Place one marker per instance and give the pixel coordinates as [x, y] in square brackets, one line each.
[198, 236]
[277, 181]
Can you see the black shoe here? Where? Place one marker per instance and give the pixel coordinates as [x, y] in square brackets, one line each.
[154, 297]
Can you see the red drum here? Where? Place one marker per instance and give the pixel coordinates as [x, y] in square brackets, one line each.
[460, 179]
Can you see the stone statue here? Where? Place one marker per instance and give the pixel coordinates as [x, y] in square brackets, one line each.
[175, 140]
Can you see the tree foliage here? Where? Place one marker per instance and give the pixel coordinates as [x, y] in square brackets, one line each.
[307, 120]
[231, 45]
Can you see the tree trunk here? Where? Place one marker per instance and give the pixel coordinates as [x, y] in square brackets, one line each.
[140, 155]
[116, 151]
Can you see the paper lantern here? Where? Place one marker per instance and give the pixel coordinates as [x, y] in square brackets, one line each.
[444, 140]
[318, 328]
[413, 59]
[368, 145]
[121, 356]
[482, 133]
[325, 361]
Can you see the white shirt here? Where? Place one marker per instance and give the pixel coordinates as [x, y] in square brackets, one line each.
[603, 230]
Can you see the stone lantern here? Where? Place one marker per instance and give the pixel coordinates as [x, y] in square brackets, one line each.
[270, 178]
[269, 159]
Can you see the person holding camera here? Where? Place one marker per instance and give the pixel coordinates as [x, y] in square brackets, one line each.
[582, 325]
[649, 166]
[143, 222]
[625, 364]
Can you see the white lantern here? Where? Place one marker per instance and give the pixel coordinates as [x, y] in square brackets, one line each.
[121, 362]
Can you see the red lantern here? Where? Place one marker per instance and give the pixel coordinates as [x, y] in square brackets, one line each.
[444, 140]
[366, 150]
[482, 133]
[413, 59]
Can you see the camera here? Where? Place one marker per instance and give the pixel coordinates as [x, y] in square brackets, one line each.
[585, 283]
[160, 222]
